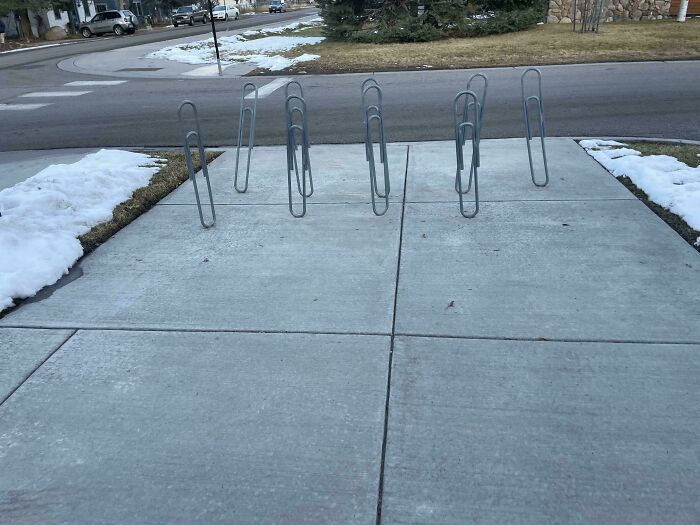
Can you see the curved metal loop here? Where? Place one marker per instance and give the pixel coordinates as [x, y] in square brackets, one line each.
[306, 144]
[369, 142]
[248, 89]
[482, 101]
[372, 82]
[186, 136]
[378, 109]
[373, 114]
[528, 131]
[289, 84]
[296, 123]
[367, 81]
[463, 128]
[293, 164]
[481, 108]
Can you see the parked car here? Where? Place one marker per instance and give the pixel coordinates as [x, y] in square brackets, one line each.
[117, 22]
[225, 12]
[278, 6]
[189, 15]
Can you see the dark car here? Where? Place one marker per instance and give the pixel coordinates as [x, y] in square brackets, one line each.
[189, 15]
[117, 22]
[278, 6]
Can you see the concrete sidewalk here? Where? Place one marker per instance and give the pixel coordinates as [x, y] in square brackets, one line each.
[539, 363]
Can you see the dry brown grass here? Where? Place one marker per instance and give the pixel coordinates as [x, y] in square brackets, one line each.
[170, 176]
[545, 44]
[687, 153]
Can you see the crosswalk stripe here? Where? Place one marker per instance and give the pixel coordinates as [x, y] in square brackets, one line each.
[95, 82]
[55, 94]
[205, 71]
[270, 88]
[21, 107]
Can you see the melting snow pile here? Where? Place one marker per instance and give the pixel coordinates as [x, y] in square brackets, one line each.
[43, 216]
[667, 181]
[260, 52]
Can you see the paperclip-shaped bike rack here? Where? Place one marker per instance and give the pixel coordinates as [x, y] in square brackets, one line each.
[461, 127]
[374, 113]
[186, 136]
[251, 111]
[526, 115]
[481, 106]
[294, 126]
[305, 123]
[288, 86]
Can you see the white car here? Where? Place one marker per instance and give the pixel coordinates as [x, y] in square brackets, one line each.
[225, 12]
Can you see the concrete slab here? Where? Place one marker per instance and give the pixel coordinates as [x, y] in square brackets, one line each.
[257, 269]
[131, 427]
[16, 166]
[600, 270]
[21, 351]
[505, 172]
[542, 432]
[340, 174]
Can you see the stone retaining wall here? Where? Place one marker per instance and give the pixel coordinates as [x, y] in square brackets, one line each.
[562, 10]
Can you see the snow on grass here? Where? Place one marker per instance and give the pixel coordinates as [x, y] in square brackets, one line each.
[43, 216]
[314, 22]
[260, 52]
[667, 181]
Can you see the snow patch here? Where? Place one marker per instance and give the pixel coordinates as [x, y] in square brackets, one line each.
[667, 181]
[43, 216]
[260, 52]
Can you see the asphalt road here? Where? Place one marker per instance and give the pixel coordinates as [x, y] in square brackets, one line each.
[109, 42]
[656, 99]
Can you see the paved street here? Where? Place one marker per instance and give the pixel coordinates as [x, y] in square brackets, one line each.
[655, 99]
[108, 42]
[348, 368]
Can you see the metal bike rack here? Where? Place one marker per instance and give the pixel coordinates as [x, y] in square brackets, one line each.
[186, 136]
[461, 126]
[297, 124]
[481, 106]
[288, 86]
[251, 111]
[526, 115]
[374, 113]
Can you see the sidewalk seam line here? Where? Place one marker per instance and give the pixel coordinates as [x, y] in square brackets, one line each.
[30, 374]
[191, 330]
[380, 491]
[545, 339]
[362, 334]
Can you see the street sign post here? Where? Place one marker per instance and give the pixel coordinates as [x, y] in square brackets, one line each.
[216, 42]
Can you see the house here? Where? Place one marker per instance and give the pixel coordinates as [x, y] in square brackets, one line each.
[42, 21]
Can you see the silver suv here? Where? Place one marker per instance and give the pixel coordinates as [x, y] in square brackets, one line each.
[117, 22]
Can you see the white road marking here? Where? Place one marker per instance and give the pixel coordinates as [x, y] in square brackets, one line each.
[21, 107]
[205, 71]
[270, 88]
[95, 82]
[55, 94]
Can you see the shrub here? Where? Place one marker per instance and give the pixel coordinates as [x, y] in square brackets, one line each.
[398, 20]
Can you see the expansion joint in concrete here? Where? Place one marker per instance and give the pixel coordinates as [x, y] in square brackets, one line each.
[391, 347]
[544, 339]
[32, 372]
[193, 330]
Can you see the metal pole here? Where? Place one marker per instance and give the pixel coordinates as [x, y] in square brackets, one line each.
[216, 42]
